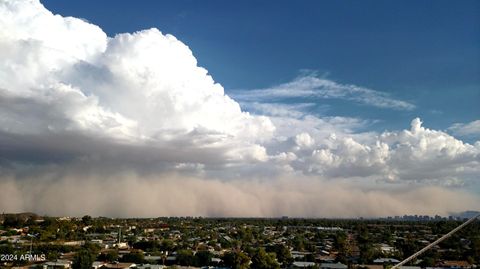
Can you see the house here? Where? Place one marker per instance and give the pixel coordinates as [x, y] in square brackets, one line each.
[118, 265]
[302, 264]
[150, 258]
[216, 260]
[410, 267]
[371, 266]
[150, 266]
[74, 243]
[333, 266]
[97, 265]
[171, 260]
[456, 264]
[121, 245]
[386, 249]
[299, 255]
[58, 264]
[326, 259]
[385, 260]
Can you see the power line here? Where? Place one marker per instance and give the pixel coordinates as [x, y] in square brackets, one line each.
[436, 242]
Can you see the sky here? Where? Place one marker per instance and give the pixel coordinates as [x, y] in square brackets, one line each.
[216, 108]
[423, 52]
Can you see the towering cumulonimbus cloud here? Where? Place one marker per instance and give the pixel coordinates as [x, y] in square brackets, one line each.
[137, 87]
[92, 119]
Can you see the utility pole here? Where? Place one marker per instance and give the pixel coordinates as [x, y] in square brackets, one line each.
[31, 245]
[31, 242]
[119, 235]
[436, 242]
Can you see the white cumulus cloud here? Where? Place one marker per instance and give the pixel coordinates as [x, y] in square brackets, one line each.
[466, 129]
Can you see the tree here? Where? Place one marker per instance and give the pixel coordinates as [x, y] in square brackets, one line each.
[236, 260]
[341, 244]
[407, 246]
[131, 239]
[299, 242]
[185, 257]
[87, 220]
[148, 245]
[134, 256]
[53, 255]
[203, 258]
[263, 260]
[367, 251]
[245, 235]
[167, 245]
[83, 260]
[427, 262]
[475, 248]
[109, 256]
[92, 248]
[283, 254]
[11, 221]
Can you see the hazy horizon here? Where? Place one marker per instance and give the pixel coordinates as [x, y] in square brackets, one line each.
[459, 215]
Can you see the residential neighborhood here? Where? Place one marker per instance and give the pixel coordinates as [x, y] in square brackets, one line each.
[31, 241]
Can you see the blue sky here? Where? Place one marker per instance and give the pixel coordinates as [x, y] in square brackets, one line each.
[423, 52]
